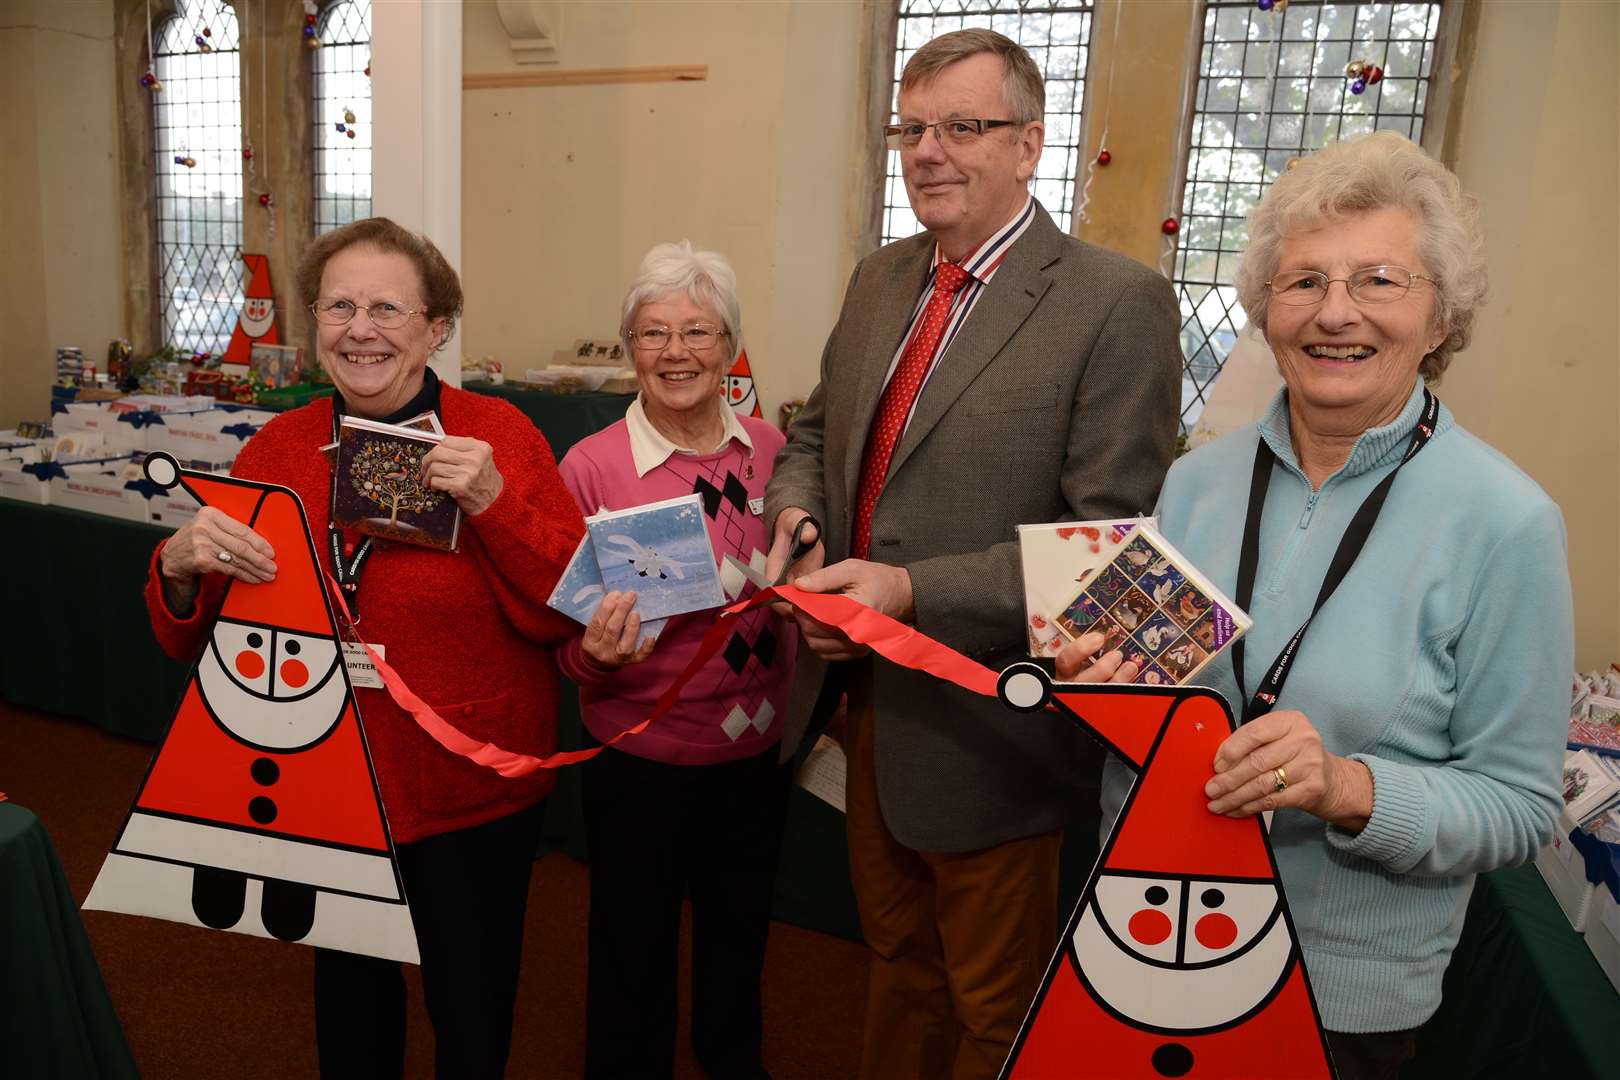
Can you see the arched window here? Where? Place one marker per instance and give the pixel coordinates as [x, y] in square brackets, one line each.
[1057, 34]
[342, 108]
[1272, 86]
[197, 155]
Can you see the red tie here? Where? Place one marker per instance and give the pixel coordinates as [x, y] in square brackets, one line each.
[898, 397]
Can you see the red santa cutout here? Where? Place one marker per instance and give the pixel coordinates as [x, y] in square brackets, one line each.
[1181, 958]
[738, 387]
[257, 323]
[260, 812]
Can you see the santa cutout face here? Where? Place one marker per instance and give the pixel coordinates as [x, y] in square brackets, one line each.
[257, 314]
[249, 674]
[738, 387]
[1185, 954]
[1181, 958]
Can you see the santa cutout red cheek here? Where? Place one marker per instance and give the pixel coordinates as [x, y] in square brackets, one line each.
[260, 813]
[1181, 959]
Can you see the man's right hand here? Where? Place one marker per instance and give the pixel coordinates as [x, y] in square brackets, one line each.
[782, 543]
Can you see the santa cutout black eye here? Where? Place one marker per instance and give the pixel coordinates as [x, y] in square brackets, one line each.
[1213, 898]
[1156, 895]
[292, 649]
[255, 641]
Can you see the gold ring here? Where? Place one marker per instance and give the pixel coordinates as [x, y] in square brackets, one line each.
[1282, 779]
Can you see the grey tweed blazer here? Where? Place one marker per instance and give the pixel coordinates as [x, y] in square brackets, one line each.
[1057, 400]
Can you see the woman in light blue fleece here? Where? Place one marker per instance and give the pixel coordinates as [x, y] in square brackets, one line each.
[1416, 739]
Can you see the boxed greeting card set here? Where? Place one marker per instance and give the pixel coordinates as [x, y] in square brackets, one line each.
[379, 489]
[660, 550]
[1123, 579]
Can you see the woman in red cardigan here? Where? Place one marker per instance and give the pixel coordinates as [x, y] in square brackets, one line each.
[466, 631]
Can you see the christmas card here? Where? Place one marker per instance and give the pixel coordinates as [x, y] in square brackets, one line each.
[1056, 558]
[1150, 602]
[1591, 784]
[579, 591]
[276, 365]
[662, 552]
[379, 489]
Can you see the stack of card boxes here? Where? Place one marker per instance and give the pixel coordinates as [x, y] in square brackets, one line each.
[207, 440]
[105, 487]
[16, 483]
[1603, 923]
[120, 431]
[1563, 868]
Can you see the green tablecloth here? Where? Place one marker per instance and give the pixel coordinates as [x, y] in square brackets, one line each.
[55, 1017]
[564, 419]
[1523, 997]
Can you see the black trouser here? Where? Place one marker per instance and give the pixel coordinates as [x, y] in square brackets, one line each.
[1375, 1056]
[468, 890]
[657, 831]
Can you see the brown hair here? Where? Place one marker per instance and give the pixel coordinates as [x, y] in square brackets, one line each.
[1022, 87]
[441, 286]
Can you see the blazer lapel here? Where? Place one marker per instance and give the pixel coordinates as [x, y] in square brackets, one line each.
[1011, 295]
[889, 322]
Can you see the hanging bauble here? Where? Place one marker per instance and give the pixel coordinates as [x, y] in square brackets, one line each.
[1281, 5]
[1358, 86]
[1354, 69]
[148, 79]
[309, 29]
[1170, 227]
[350, 133]
[313, 42]
[179, 159]
[348, 116]
[1104, 157]
[1375, 76]
[309, 20]
[207, 32]
[185, 159]
[368, 71]
[340, 127]
[247, 153]
[1293, 163]
[264, 199]
[157, 86]
[1265, 5]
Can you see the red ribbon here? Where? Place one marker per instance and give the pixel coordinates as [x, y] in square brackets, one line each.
[892, 640]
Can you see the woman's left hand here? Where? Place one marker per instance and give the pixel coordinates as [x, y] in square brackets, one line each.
[1278, 761]
[465, 469]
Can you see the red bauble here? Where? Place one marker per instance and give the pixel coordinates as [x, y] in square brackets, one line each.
[247, 153]
[1104, 157]
[264, 200]
[1376, 75]
[309, 20]
[1170, 227]
[368, 71]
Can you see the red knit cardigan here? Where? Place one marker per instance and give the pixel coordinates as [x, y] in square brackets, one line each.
[466, 631]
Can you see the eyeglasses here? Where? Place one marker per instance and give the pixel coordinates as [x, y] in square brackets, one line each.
[698, 338]
[1369, 285]
[951, 132]
[384, 313]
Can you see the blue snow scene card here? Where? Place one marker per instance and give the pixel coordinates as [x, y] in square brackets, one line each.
[579, 591]
[662, 551]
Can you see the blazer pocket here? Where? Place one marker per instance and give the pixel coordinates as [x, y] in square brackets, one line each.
[1022, 398]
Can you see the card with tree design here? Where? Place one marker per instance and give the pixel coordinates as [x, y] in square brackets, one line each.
[379, 487]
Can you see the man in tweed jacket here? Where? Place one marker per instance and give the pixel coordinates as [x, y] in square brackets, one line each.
[1053, 395]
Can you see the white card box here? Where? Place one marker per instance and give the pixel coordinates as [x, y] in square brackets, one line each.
[214, 436]
[1603, 934]
[117, 436]
[98, 487]
[1055, 557]
[1564, 870]
[23, 486]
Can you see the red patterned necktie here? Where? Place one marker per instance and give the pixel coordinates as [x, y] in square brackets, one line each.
[898, 397]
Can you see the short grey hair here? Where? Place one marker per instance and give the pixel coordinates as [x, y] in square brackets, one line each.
[1022, 87]
[704, 277]
[1375, 172]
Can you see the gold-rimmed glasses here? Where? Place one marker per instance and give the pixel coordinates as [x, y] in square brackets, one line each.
[334, 311]
[697, 338]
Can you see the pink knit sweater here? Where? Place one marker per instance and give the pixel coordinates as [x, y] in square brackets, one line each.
[744, 688]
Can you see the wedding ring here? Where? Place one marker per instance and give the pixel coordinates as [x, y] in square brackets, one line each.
[1282, 779]
[224, 556]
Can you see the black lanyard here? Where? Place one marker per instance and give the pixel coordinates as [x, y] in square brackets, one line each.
[1350, 545]
[345, 570]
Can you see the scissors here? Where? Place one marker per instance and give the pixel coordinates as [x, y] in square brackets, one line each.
[801, 547]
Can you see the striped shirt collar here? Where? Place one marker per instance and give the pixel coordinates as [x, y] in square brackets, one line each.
[649, 449]
[983, 262]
